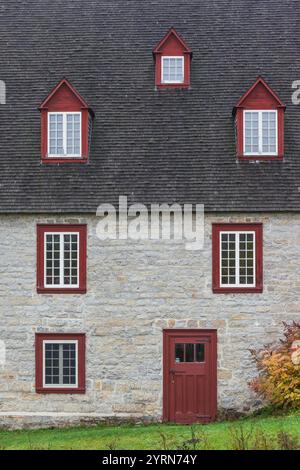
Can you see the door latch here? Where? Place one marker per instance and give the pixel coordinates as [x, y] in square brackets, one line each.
[172, 372]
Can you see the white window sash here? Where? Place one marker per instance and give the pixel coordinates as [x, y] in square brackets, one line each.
[65, 154]
[61, 261]
[237, 259]
[162, 69]
[60, 341]
[260, 136]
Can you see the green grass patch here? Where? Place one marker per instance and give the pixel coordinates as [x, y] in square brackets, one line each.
[253, 432]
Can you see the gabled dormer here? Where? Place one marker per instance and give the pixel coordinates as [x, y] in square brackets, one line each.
[172, 62]
[66, 124]
[259, 119]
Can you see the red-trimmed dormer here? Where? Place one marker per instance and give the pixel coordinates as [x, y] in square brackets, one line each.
[172, 62]
[259, 120]
[66, 125]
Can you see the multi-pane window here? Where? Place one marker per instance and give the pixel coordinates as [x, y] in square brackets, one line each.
[237, 259]
[64, 134]
[189, 352]
[260, 132]
[61, 259]
[60, 363]
[172, 69]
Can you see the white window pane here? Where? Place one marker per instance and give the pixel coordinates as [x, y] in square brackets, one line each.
[71, 259]
[228, 258]
[260, 128]
[166, 68]
[56, 134]
[52, 259]
[73, 134]
[246, 258]
[61, 260]
[172, 69]
[64, 128]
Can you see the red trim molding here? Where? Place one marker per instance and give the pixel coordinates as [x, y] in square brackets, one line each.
[216, 229]
[39, 339]
[82, 230]
[172, 45]
[259, 97]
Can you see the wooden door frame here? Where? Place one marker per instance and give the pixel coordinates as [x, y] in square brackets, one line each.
[167, 334]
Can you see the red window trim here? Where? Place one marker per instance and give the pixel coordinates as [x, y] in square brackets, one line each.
[78, 228]
[39, 338]
[84, 140]
[216, 229]
[270, 102]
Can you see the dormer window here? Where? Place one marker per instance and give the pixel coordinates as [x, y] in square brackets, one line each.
[259, 119]
[66, 122]
[172, 69]
[64, 134]
[172, 62]
[260, 133]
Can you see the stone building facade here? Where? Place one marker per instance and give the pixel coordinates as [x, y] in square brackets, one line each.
[135, 290]
[163, 102]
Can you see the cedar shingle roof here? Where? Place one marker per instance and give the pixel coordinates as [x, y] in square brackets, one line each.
[154, 146]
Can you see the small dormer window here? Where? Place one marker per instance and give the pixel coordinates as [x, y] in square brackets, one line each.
[172, 69]
[259, 121]
[66, 126]
[172, 62]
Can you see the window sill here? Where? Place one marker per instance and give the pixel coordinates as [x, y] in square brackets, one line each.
[172, 85]
[64, 160]
[260, 157]
[62, 290]
[60, 390]
[238, 290]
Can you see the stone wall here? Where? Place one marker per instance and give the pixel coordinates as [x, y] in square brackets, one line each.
[135, 290]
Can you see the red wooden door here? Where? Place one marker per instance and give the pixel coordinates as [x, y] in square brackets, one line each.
[190, 371]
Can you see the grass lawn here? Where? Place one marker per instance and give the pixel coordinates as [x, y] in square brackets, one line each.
[162, 437]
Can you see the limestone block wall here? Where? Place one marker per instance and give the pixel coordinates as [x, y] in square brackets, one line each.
[135, 290]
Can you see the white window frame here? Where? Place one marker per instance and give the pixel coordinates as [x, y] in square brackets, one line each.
[65, 154]
[162, 68]
[60, 341]
[61, 285]
[237, 258]
[260, 138]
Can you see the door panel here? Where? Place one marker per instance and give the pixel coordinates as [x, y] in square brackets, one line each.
[190, 363]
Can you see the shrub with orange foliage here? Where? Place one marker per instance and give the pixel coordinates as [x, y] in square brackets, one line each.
[279, 379]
